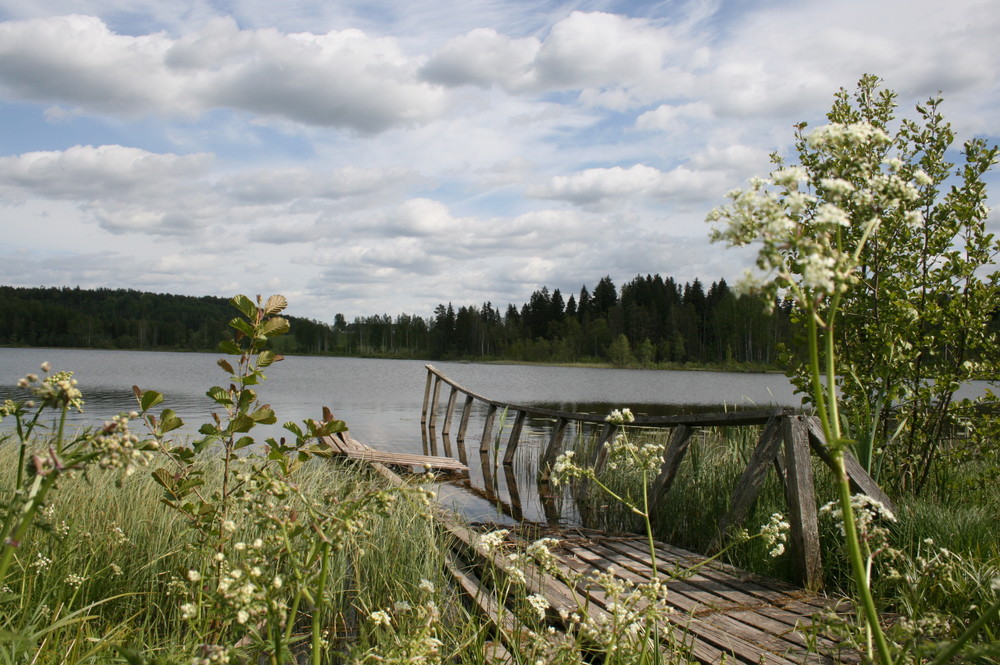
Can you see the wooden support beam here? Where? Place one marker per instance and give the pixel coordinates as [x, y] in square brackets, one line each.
[672, 458]
[449, 412]
[427, 397]
[463, 424]
[552, 450]
[607, 434]
[515, 438]
[861, 481]
[750, 483]
[801, 496]
[512, 490]
[432, 416]
[484, 443]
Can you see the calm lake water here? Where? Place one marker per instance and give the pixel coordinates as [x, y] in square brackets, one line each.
[381, 399]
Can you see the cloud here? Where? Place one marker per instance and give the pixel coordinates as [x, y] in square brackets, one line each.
[90, 173]
[614, 61]
[482, 58]
[617, 183]
[342, 79]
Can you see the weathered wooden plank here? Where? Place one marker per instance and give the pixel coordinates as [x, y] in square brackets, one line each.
[347, 446]
[743, 598]
[801, 497]
[717, 634]
[449, 412]
[601, 457]
[517, 510]
[485, 602]
[427, 398]
[861, 481]
[750, 483]
[484, 443]
[463, 423]
[672, 458]
[553, 449]
[515, 438]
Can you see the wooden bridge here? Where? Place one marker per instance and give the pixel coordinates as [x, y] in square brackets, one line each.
[717, 613]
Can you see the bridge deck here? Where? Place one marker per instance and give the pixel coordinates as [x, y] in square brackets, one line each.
[717, 612]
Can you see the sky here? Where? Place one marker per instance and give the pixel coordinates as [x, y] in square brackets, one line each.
[385, 156]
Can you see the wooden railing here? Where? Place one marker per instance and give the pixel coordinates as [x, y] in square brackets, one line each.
[787, 441]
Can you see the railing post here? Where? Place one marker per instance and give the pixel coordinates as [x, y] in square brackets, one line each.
[672, 458]
[801, 496]
[484, 443]
[748, 488]
[515, 437]
[427, 397]
[552, 450]
[432, 417]
[463, 424]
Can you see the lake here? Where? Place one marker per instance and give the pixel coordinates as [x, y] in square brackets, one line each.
[381, 399]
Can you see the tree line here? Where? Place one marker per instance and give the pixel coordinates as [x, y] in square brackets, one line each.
[650, 320]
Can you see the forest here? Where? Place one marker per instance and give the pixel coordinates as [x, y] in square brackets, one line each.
[649, 321]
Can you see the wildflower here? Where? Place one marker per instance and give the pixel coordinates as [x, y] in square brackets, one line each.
[775, 534]
[277, 582]
[189, 611]
[426, 586]
[493, 540]
[75, 581]
[194, 576]
[539, 604]
[402, 606]
[116, 570]
[242, 616]
[620, 416]
[41, 562]
[211, 654]
[380, 618]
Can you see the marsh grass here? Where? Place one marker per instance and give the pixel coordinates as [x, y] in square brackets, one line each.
[102, 571]
[940, 569]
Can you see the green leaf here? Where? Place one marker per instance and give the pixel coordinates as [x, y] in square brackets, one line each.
[264, 415]
[230, 347]
[266, 358]
[245, 305]
[243, 442]
[169, 421]
[149, 399]
[242, 326]
[208, 429]
[294, 429]
[275, 326]
[220, 395]
[164, 479]
[275, 304]
[241, 423]
[201, 444]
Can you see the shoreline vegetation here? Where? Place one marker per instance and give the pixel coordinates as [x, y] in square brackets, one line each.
[650, 322]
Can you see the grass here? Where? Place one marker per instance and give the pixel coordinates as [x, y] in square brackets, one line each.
[941, 561]
[103, 570]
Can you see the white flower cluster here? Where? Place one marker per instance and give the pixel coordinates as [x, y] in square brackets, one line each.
[620, 416]
[627, 457]
[565, 469]
[119, 448]
[775, 534]
[801, 216]
[56, 390]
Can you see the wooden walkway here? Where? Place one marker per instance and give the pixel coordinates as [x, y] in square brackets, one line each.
[344, 444]
[717, 613]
